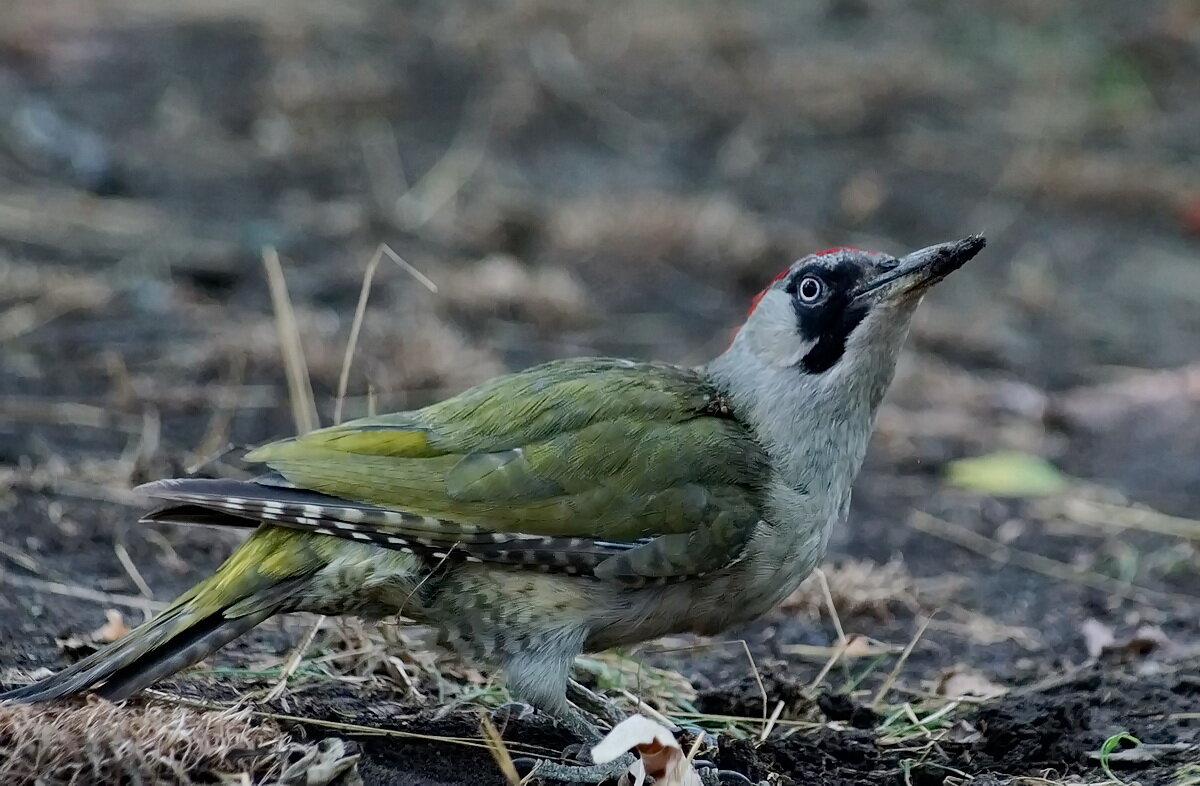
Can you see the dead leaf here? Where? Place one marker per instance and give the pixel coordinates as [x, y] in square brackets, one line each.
[963, 682]
[858, 646]
[113, 629]
[1102, 644]
[661, 756]
[329, 762]
[1096, 636]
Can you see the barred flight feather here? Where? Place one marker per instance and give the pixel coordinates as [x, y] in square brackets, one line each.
[246, 503]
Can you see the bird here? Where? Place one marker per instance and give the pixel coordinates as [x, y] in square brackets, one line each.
[579, 505]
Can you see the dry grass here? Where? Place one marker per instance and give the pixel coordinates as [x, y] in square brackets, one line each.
[861, 588]
[101, 742]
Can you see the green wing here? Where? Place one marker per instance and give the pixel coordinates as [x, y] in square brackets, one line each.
[590, 449]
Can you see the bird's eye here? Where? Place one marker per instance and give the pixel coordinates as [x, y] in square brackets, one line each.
[811, 289]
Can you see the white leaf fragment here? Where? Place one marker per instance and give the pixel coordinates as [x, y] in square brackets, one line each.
[661, 756]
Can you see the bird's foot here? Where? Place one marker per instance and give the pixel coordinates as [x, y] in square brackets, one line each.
[577, 773]
[612, 770]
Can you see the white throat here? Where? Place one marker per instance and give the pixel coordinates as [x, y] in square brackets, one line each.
[815, 426]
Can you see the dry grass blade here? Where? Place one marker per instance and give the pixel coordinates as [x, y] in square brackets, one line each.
[882, 693]
[498, 750]
[833, 613]
[1105, 514]
[293, 661]
[346, 728]
[441, 183]
[834, 657]
[108, 743]
[135, 575]
[80, 593]
[644, 708]
[770, 725]
[304, 407]
[360, 311]
[1007, 555]
[355, 728]
[20, 558]
[425, 280]
[215, 442]
[762, 690]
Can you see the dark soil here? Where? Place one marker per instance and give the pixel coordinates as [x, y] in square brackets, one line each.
[620, 181]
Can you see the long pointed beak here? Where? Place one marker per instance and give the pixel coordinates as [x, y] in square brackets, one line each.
[922, 269]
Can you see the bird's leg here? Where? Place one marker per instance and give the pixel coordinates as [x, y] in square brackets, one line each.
[541, 678]
[606, 710]
[542, 684]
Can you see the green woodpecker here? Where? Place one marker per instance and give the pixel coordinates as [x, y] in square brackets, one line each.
[576, 506]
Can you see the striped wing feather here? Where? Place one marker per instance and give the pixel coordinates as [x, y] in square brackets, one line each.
[625, 471]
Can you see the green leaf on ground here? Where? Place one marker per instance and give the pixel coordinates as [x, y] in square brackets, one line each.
[1007, 474]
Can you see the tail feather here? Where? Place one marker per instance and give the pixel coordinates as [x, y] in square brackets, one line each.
[198, 642]
[101, 664]
[216, 611]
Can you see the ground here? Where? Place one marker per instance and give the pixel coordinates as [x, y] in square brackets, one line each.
[620, 179]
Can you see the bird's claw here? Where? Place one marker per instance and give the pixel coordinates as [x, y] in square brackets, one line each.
[598, 773]
[576, 773]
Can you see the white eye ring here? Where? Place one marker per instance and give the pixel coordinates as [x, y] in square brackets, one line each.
[810, 290]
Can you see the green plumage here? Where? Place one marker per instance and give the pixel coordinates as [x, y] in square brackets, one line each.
[585, 448]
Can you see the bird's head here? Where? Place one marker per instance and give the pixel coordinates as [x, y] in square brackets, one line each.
[830, 308]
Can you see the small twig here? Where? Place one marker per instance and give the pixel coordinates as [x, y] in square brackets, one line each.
[400, 668]
[293, 661]
[136, 577]
[1057, 569]
[762, 690]
[816, 652]
[441, 182]
[349, 728]
[22, 559]
[424, 280]
[81, 593]
[134, 574]
[833, 614]
[1122, 517]
[837, 654]
[646, 709]
[428, 575]
[766, 732]
[891, 677]
[21, 409]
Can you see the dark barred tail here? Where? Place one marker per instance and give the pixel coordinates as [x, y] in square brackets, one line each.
[179, 637]
[267, 575]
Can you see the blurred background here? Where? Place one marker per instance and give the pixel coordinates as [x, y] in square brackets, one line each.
[615, 178]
